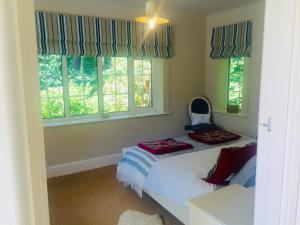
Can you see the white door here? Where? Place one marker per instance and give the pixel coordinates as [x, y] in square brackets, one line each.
[278, 168]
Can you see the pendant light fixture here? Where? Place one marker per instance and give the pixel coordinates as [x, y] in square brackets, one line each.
[151, 18]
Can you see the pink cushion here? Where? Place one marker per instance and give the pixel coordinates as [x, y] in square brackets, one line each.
[169, 145]
[230, 161]
[213, 137]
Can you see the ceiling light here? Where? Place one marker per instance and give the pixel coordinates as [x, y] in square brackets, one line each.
[151, 18]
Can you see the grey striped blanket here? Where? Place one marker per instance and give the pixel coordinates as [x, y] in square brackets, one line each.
[133, 168]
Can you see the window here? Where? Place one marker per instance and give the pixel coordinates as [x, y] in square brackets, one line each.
[142, 83]
[235, 85]
[51, 87]
[82, 86]
[73, 87]
[115, 84]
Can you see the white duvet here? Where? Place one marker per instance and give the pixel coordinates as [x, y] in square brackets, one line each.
[179, 177]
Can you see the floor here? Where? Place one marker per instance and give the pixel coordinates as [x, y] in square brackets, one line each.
[96, 198]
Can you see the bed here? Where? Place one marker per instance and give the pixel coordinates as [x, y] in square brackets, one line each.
[171, 179]
[175, 178]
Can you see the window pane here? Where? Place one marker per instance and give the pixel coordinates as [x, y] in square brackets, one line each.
[138, 67]
[122, 84]
[44, 105]
[120, 66]
[122, 103]
[57, 107]
[115, 84]
[109, 84]
[235, 83]
[147, 70]
[51, 86]
[76, 106]
[108, 65]
[83, 85]
[109, 105]
[142, 83]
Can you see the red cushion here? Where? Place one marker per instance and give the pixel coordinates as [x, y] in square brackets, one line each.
[164, 146]
[213, 137]
[230, 161]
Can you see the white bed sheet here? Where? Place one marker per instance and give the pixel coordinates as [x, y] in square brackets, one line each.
[178, 177]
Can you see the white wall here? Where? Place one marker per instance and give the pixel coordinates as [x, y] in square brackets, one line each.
[23, 190]
[215, 70]
[78, 142]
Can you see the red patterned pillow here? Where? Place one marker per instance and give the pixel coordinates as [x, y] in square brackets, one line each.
[213, 137]
[169, 145]
[230, 161]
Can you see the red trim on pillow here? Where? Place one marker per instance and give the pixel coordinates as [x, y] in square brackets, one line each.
[230, 161]
[169, 145]
[213, 137]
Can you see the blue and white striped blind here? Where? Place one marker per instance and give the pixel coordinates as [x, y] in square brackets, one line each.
[64, 34]
[231, 40]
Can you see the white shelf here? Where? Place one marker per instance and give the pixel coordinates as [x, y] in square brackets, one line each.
[232, 205]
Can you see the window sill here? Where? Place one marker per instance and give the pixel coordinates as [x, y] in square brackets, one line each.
[96, 119]
[243, 115]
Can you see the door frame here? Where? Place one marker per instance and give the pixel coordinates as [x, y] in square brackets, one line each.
[278, 160]
[23, 192]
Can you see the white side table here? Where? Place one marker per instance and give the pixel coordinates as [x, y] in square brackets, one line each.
[232, 205]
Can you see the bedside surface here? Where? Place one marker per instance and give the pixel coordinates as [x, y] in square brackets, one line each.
[232, 205]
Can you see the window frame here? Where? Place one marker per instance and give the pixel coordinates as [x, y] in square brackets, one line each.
[133, 112]
[244, 108]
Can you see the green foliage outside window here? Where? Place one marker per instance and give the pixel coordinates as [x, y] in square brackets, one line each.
[51, 86]
[235, 84]
[115, 84]
[142, 83]
[83, 85]
[82, 95]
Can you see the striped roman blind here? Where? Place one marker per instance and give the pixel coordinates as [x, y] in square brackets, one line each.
[64, 34]
[231, 40]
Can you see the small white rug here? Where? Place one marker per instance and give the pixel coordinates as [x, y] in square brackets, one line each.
[131, 217]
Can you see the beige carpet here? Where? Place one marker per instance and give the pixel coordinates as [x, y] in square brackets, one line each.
[96, 198]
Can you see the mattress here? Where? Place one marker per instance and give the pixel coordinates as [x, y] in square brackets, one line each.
[178, 177]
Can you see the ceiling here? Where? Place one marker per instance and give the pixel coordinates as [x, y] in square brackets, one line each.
[184, 6]
[193, 6]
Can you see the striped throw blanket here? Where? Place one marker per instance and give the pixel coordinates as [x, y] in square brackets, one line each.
[133, 168]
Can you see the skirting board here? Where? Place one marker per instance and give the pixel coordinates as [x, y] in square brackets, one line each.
[83, 165]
